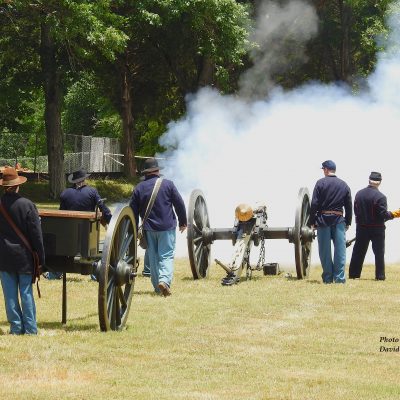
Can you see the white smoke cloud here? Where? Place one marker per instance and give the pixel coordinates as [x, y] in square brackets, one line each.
[264, 151]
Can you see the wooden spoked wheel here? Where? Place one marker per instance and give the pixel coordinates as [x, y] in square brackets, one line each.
[303, 235]
[198, 221]
[117, 270]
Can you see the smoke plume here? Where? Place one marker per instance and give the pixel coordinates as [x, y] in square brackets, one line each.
[281, 32]
[237, 150]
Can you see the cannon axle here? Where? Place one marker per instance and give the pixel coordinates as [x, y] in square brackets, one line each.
[201, 236]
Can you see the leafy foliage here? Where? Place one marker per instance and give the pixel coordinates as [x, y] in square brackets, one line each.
[87, 112]
[169, 49]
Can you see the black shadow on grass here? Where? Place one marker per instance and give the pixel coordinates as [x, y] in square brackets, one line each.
[59, 325]
[294, 278]
[190, 278]
[68, 328]
[146, 292]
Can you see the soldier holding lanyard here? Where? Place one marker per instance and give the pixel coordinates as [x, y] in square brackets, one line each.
[370, 209]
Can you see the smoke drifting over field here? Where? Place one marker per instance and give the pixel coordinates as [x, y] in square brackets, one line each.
[237, 150]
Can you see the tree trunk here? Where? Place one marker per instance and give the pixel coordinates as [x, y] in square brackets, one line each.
[128, 145]
[206, 75]
[345, 18]
[52, 113]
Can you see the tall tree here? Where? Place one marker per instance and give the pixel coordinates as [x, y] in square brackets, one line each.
[174, 47]
[346, 46]
[59, 34]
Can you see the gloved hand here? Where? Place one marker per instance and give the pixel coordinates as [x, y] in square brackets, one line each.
[396, 213]
[103, 222]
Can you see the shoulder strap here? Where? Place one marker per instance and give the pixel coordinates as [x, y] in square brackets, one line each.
[152, 199]
[15, 227]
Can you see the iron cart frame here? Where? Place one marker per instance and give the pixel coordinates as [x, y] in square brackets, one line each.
[72, 245]
[244, 235]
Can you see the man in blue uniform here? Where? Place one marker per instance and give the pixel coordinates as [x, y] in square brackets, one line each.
[81, 197]
[330, 196]
[370, 209]
[160, 225]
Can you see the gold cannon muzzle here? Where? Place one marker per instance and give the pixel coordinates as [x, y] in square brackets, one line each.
[244, 212]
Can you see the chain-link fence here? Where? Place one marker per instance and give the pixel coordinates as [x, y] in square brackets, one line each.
[95, 154]
[38, 164]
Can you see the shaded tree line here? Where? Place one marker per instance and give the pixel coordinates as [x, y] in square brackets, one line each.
[122, 68]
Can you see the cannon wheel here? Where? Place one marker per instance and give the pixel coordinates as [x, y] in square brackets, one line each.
[117, 270]
[302, 244]
[199, 252]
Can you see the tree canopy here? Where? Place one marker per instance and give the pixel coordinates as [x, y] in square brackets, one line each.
[122, 68]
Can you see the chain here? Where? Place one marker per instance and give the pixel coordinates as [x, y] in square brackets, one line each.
[261, 258]
[260, 263]
[247, 260]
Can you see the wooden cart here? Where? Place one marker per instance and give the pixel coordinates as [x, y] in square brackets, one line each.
[72, 245]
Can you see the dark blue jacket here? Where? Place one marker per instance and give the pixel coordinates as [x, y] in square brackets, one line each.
[83, 198]
[14, 255]
[370, 207]
[331, 194]
[162, 216]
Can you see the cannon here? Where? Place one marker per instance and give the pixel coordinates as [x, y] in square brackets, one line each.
[72, 245]
[250, 228]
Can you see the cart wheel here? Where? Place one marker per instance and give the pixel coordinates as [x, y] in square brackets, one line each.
[303, 235]
[117, 270]
[199, 250]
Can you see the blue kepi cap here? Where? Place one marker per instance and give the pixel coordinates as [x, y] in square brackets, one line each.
[329, 164]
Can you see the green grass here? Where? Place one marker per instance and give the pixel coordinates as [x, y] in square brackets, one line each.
[268, 338]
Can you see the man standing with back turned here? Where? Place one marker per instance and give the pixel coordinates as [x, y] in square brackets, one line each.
[370, 208]
[330, 196]
[160, 225]
[16, 261]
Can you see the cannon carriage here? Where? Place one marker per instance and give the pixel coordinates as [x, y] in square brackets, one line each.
[73, 244]
[250, 229]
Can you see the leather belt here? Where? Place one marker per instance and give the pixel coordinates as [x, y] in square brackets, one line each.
[332, 212]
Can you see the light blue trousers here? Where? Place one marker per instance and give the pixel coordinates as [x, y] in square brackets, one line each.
[22, 318]
[146, 267]
[333, 270]
[160, 250]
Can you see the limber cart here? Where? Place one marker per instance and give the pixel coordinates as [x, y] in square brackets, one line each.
[72, 245]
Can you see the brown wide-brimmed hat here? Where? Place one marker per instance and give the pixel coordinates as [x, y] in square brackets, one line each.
[11, 178]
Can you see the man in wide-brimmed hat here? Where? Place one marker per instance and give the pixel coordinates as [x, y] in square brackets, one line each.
[370, 209]
[16, 261]
[160, 226]
[81, 197]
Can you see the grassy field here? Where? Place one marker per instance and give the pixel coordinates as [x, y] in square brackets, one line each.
[268, 338]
